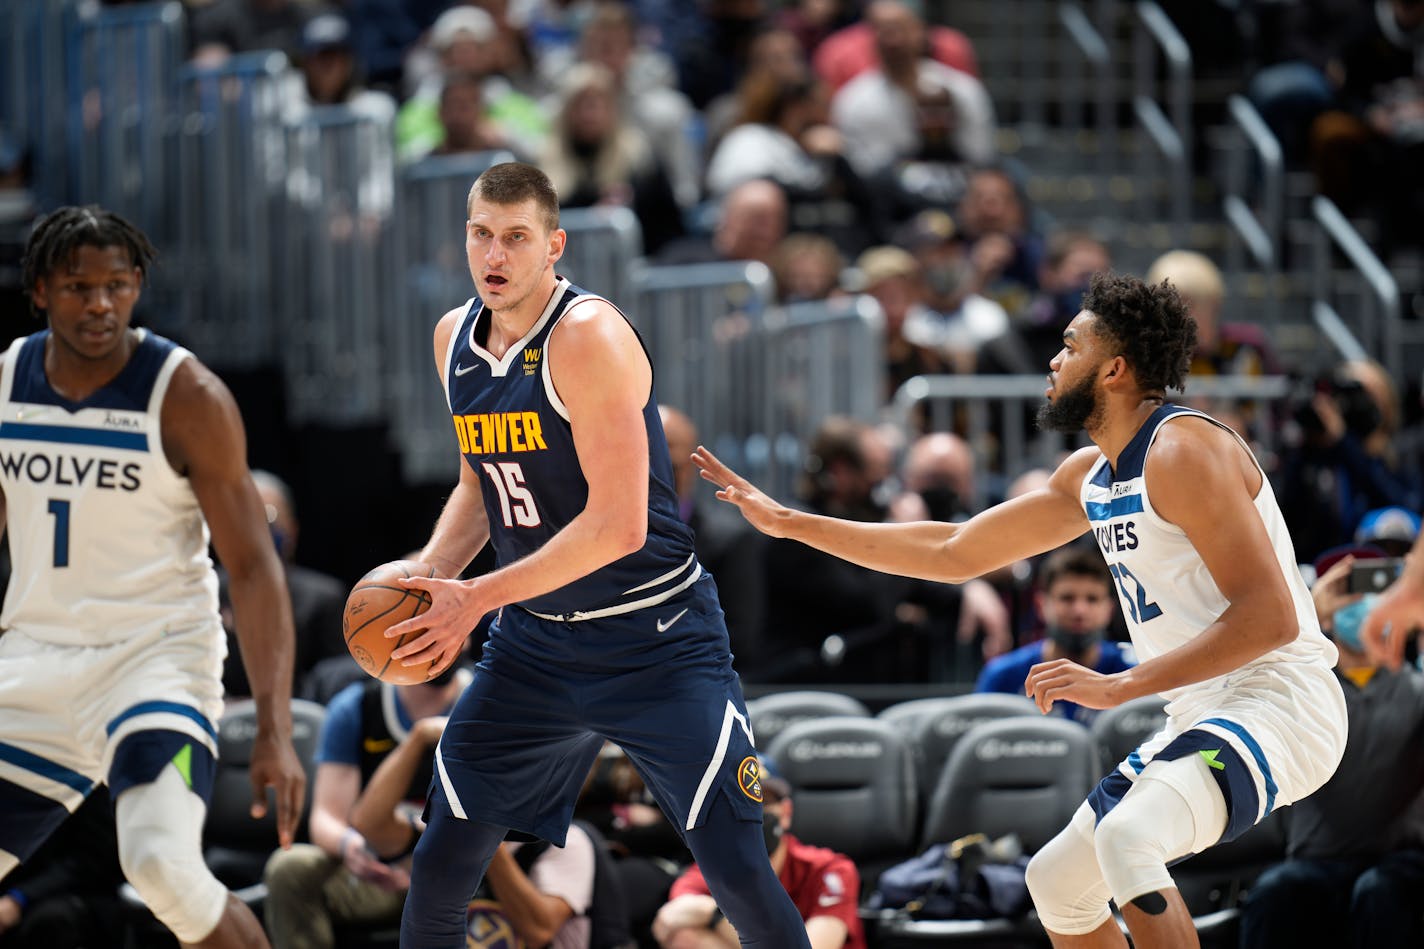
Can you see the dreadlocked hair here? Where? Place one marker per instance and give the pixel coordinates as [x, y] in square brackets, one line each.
[59, 234]
[1149, 324]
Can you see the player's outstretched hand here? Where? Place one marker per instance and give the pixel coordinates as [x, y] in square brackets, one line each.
[760, 511]
[455, 609]
[275, 765]
[1388, 625]
[1065, 679]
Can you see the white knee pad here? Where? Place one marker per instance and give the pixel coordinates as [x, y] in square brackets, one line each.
[160, 828]
[1175, 808]
[1064, 880]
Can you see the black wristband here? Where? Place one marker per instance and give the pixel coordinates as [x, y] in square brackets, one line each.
[717, 917]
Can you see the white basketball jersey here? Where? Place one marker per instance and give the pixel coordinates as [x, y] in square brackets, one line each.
[1167, 594]
[107, 540]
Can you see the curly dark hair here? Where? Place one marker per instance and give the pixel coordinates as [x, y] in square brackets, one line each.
[1149, 325]
[57, 236]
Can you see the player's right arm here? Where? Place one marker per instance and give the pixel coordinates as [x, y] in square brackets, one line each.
[463, 527]
[928, 550]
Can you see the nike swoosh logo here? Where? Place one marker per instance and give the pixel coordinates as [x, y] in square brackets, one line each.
[664, 627]
[461, 370]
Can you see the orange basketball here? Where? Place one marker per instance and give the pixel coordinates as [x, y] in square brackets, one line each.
[377, 602]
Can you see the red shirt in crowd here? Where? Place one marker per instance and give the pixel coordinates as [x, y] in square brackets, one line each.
[820, 882]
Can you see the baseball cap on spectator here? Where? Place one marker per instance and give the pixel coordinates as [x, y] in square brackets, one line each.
[927, 229]
[774, 786]
[456, 22]
[885, 262]
[1391, 528]
[327, 31]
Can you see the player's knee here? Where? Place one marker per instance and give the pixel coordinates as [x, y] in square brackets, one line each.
[178, 889]
[1133, 860]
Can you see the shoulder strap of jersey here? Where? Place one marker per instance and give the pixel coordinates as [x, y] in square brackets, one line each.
[12, 361]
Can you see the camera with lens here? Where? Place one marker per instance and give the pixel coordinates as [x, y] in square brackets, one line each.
[1357, 407]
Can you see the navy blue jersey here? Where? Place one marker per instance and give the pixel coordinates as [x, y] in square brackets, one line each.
[514, 432]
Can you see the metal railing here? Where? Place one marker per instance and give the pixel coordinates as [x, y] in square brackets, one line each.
[1253, 156]
[33, 81]
[603, 244]
[701, 323]
[1378, 318]
[123, 68]
[994, 414]
[1085, 50]
[334, 249]
[820, 358]
[1169, 130]
[230, 163]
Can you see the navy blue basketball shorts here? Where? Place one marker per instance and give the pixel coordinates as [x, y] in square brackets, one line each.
[547, 693]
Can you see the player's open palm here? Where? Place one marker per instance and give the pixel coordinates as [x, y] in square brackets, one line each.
[275, 764]
[760, 511]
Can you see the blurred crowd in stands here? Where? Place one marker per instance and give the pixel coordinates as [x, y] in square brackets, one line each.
[853, 148]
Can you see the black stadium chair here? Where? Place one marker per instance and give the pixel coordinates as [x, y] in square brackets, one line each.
[1016, 775]
[853, 786]
[1120, 730]
[771, 714]
[235, 846]
[941, 723]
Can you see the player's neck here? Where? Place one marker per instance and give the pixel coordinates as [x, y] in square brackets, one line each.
[1120, 426]
[510, 325]
[77, 377]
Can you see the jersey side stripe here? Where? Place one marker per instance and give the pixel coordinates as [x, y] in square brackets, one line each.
[58, 773]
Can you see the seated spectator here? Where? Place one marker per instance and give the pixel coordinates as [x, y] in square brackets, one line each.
[970, 321]
[318, 599]
[1354, 848]
[852, 50]
[914, 333]
[465, 40]
[1076, 600]
[783, 135]
[774, 54]
[807, 267]
[824, 885]
[356, 872]
[1222, 348]
[1343, 461]
[66, 895]
[644, 81]
[328, 74]
[465, 123]
[595, 156]
[751, 221]
[876, 111]
[1004, 246]
[1036, 332]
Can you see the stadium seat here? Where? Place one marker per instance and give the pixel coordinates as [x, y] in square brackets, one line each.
[1018, 775]
[1118, 731]
[939, 724]
[853, 786]
[235, 846]
[771, 714]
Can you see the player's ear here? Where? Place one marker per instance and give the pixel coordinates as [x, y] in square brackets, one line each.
[39, 295]
[556, 244]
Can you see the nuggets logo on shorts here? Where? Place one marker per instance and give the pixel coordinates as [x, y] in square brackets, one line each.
[749, 777]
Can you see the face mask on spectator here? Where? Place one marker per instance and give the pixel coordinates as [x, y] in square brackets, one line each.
[1347, 621]
[1074, 645]
[771, 830]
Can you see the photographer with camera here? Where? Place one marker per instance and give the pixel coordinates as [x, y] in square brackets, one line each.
[1343, 461]
[1354, 848]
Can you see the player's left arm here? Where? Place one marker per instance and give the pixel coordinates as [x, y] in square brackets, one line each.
[604, 378]
[204, 439]
[1200, 479]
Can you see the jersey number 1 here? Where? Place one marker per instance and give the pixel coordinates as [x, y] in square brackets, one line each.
[60, 510]
[515, 501]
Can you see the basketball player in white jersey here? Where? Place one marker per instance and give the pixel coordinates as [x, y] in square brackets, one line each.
[1218, 613]
[118, 453]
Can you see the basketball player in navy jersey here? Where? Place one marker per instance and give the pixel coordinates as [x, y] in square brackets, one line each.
[120, 457]
[1219, 615]
[606, 625]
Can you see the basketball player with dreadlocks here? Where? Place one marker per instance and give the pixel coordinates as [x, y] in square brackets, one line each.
[121, 456]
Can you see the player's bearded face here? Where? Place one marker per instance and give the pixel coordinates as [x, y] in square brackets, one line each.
[1071, 409]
